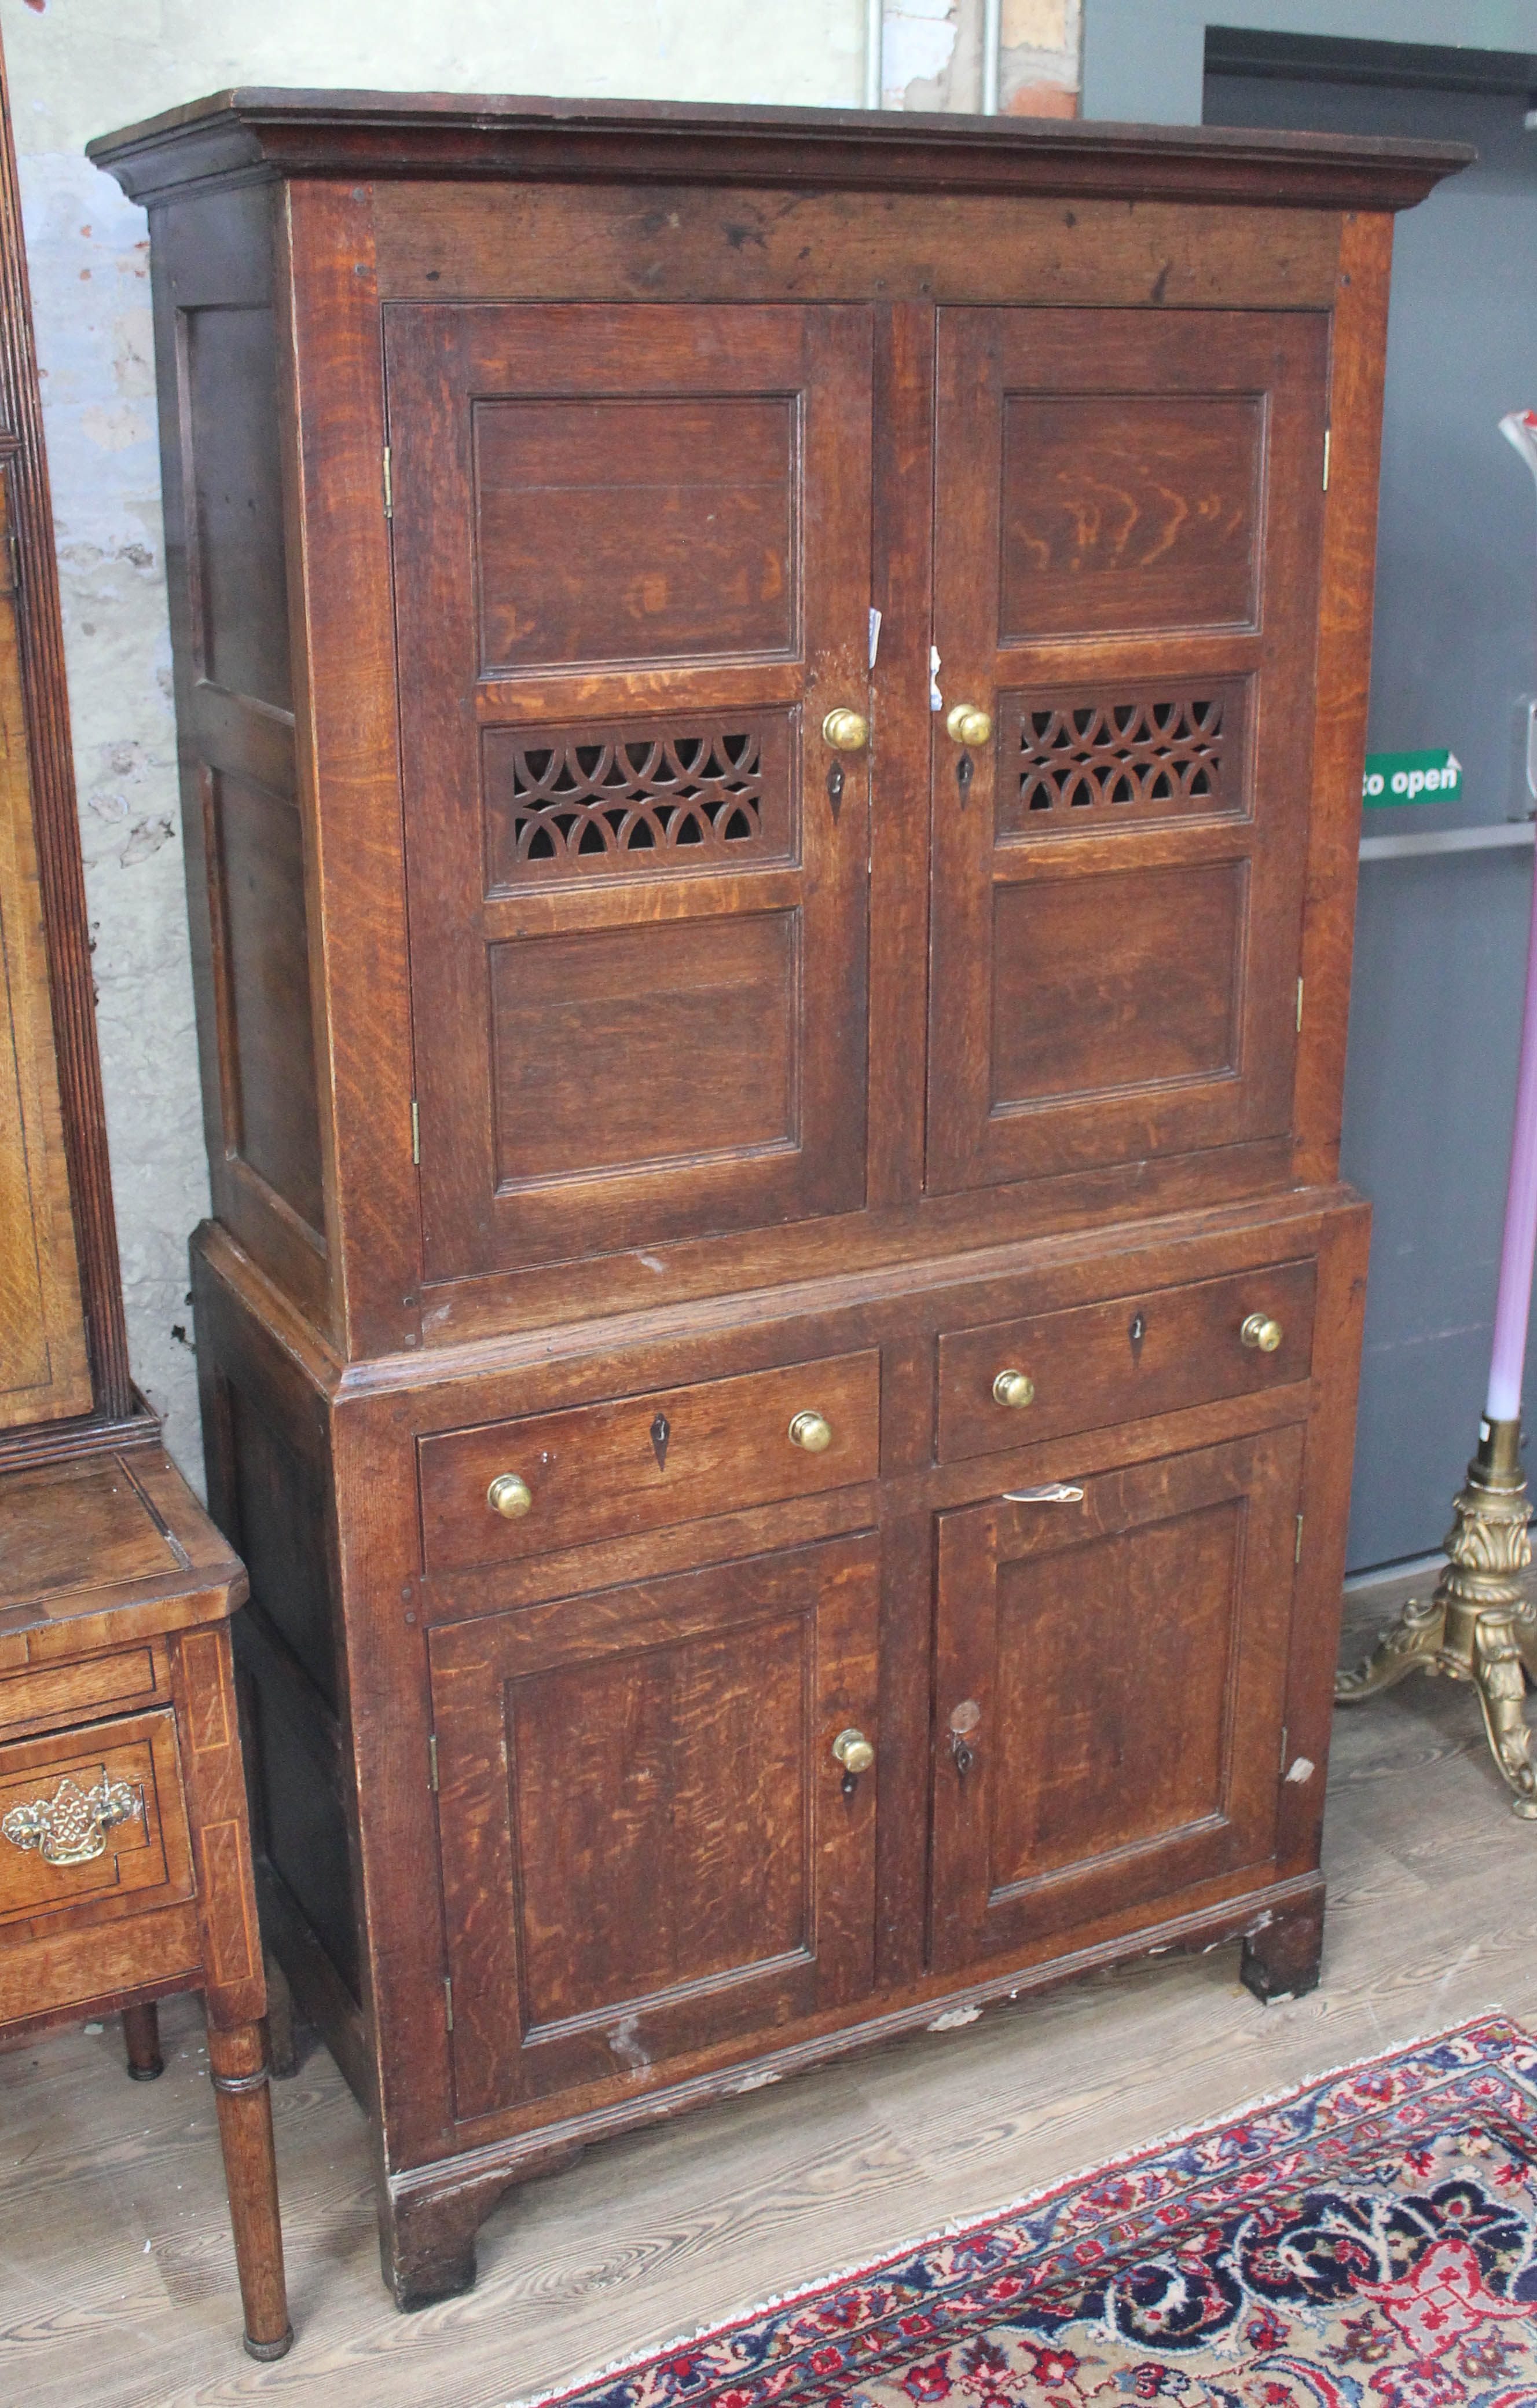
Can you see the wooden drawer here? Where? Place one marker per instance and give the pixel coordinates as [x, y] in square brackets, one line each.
[1124, 1360]
[605, 1471]
[70, 1861]
[64, 1691]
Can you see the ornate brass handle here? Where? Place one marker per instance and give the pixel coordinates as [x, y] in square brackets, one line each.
[71, 1826]
[1261, 1331]
[968, 725]
[811, 1431]
[846, 731]
[509, 1496]
[1014, 1388]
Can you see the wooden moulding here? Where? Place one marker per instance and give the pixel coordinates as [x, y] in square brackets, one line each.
[251, 130]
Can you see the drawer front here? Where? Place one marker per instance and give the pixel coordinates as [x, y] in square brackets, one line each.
[62, 1692]
[1125, 1360]
[92, 1816]
[636, 1463]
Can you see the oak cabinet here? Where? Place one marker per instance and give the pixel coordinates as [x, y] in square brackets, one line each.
[771, 710]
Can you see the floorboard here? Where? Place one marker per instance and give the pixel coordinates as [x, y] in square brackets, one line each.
[117, 2281]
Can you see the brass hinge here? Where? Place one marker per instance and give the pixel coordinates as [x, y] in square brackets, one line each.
[389, 496]
[1325, 459]
[1295, 1557]
[447, 2001]
[416, 1132]
[432, 1762]
[1299, 1007]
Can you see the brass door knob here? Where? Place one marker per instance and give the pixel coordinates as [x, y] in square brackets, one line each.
[813, 1432]
[854, 1751]
[1261, 1331]
[1014, 1388]
[509, 1496]
[967, 724]
[846, 731]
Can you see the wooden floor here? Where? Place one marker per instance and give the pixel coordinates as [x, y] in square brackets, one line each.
[117, 2282]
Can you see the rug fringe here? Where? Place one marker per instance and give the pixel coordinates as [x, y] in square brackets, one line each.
[634, 2359]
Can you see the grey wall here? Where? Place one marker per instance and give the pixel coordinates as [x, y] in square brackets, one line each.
[1144, 59]
[1440, 942]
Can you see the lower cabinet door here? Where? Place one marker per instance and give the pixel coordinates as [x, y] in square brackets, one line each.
[1111, 1669]
[649, 1847]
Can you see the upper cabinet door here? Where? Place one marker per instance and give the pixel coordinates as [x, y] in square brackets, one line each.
[1130, 513]
[632, 556]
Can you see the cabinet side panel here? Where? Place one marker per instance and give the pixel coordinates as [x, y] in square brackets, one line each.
[1344, 672]
[217, 342]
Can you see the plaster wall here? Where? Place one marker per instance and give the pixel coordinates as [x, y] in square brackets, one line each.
[78, 68]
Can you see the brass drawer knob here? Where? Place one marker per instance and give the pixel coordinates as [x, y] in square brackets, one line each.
[846, 731]
[1014, 1388]
[854, 1751]
[1261, 1331]
[967, 724]
[813, 1432]
[509, 1496]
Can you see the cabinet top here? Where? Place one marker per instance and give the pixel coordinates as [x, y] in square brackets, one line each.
[253, 133]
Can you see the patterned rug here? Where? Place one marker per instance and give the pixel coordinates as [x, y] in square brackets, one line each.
[1369, 2242]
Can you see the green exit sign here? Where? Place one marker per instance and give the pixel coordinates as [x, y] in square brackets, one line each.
[1394, 779]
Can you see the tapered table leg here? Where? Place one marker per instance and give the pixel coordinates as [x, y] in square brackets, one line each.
[141, 2033]
[239, 2066]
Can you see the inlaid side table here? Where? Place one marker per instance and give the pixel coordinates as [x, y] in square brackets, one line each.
[125, 1870]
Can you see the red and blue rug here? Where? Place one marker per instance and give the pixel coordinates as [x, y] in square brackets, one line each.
[1369, 2242]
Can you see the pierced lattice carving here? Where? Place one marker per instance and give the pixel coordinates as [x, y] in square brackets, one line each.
[569, 802]
[1152, 755]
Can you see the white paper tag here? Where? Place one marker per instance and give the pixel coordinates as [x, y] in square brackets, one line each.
[874, 635]
[936, 699]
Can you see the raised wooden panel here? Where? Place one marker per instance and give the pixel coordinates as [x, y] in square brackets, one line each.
[1128, 512]
[628, 1048]
[1111, 1680]
[236, 563]
[622, 531]
[1121, 515]
[632, 555]
[1127, 1360]
[262, 971]
[635, 1463]
[645, 1839]
[1130, 979]
[44, 1371]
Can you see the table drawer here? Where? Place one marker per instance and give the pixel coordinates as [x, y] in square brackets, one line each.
[1124, 1360]
[636, 1463]
[93, 1814]
[83, 1685]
